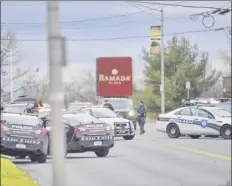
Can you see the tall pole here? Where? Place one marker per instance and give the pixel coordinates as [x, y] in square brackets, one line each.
[188, 93]
[162, 64]
[56, 93]
[11, 76]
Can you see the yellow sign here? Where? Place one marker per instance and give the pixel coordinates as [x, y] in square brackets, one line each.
[155, 37]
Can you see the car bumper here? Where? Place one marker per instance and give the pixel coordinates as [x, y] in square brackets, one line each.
[89, 145]
[124, 132]
[17, 149]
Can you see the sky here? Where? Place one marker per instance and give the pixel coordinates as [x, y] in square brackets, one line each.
[77, 23]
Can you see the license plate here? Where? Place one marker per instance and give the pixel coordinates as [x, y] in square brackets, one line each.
[97, 143]
[20, 146]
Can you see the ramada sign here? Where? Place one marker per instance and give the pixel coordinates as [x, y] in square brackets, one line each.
[114, 79]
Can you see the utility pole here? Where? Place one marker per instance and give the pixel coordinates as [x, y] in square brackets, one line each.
[162, 64]
[56, 93]
[11, 76]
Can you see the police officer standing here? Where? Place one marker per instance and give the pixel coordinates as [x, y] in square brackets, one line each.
[187, 103]
[142, 112]
[108, 105]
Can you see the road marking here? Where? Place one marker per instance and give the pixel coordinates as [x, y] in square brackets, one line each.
[201, 152]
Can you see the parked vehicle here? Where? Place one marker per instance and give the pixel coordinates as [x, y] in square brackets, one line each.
[122, 127]
[85, 133]
[195, 122]
[23, 135]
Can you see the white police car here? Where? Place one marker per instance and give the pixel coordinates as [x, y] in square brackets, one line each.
[195, 122]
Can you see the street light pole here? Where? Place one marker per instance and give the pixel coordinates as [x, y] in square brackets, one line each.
[162, 64]
[11, 75]
[56, 93]
[11, 70]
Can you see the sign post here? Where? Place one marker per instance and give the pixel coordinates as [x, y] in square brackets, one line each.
[188, 86]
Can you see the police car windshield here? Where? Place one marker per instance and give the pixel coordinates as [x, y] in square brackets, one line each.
[79, 118]
[20, 120]
[25, 100]
[221, 112]
[120, 104]
[103, 113]
[15, 108]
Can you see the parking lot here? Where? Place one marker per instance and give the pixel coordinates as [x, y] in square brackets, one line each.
[149, 160]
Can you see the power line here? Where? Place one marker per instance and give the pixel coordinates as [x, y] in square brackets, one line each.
[36, 24]
[131, 37]
[86, 20]
[209, 15]
[91, 26]
[77, 21]
[139, 7]
[178, 5]
[22, 4]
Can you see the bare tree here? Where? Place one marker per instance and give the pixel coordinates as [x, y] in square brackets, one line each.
[9, 41]
[226, 58]
[81, 90]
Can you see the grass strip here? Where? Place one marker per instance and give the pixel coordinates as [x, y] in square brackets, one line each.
[11, 175]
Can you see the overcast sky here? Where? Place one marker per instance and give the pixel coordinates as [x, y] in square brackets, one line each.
[82, 54]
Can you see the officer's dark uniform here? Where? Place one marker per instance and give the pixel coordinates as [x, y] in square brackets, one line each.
[187, 103]
[109, 106]
[142, 112]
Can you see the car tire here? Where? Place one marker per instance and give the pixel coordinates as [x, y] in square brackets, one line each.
[33, 158]
[129, 137]
[173, 131]
[42, 158]
[102, 153]
[194, 136]
[226, 131]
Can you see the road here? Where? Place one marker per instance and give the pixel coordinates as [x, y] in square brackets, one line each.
[149, 160]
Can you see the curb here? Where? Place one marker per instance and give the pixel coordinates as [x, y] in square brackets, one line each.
[35, 181]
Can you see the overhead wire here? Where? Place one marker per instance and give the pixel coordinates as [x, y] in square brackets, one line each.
[22, 4]
[76, 21]
[178, 5]
[138, 6]
[37, 24]
[85, 20]
[130, 37]
[207, 15]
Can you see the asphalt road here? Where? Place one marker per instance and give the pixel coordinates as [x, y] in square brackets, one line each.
[149, 160]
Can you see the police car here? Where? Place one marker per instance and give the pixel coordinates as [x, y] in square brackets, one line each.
[23, 135]
[122, 127]
[195, 122]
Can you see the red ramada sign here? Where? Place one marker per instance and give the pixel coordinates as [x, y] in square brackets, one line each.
[114, 78]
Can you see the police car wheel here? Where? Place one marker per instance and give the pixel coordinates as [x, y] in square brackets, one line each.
[226, 132]
[194, 136]
[173, 131]
[102, 153]
[42, 158]
[128, 137]
[33, 158]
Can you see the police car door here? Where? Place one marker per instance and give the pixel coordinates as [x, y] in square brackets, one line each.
[206, 123]
[184, 119]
